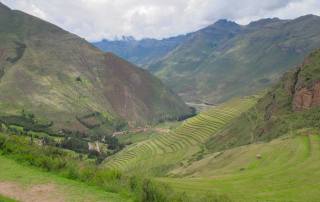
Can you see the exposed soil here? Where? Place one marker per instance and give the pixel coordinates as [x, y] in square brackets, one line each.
[37, 193]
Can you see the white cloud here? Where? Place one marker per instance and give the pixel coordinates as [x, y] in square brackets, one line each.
[98, 19]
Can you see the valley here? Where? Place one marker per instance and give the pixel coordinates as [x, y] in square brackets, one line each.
[230, 113]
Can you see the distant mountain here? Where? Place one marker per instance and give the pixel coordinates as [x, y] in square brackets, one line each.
[225, 59]
[55, 76]
[141, 52]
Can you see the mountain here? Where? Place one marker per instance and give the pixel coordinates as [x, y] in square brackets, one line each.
[54, 76]
[225, 59]
[290, 106]
[141, 52]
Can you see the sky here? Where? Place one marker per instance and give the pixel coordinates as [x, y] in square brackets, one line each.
[95, 20]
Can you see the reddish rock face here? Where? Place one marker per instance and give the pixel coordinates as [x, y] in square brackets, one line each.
[305, 99]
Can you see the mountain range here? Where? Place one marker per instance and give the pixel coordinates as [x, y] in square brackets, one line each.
[226, 59]
[141, 52]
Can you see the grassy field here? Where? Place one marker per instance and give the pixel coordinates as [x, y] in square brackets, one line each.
[180, 146]
[138, 137]
[288, 171]
[28, 184]
[6, 199]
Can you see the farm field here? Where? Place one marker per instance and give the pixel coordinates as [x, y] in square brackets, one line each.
[289, 170]
[27, 184]
[146, 135]
[178, 146]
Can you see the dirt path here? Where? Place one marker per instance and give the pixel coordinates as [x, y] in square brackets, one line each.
[37, 193]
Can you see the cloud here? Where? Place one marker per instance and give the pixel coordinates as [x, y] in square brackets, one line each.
[98, 19]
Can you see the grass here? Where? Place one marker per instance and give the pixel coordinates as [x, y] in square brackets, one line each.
[138, 137]
[28, 178]
[288, 171]
[6, 199]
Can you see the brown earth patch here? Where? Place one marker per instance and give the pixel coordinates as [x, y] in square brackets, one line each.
[36, 193]
[3, 54]
[222, 138]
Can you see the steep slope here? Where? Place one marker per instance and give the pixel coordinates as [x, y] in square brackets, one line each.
[291, 104]
[59, 77]
[225, 59]
[142, 52]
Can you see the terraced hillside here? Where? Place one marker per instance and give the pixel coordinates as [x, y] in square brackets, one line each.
[287, 171]
[180, 146]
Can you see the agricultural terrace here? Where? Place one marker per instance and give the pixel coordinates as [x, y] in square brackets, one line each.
[183, 143]
[288, 170]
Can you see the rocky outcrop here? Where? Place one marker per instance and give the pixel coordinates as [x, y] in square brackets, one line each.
[307, 87]
[305, 99]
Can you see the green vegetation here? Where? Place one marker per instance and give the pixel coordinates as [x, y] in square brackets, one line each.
[19, 50]
[225, 59]
[287, 171]
[130, 138]
[57, 161]
[6, 199]
[27, 180]
[181, 146]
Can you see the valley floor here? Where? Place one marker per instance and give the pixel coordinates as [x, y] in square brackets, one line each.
[24, 183]
[289, 170]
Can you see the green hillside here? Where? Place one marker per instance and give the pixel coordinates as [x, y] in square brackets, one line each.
[58, 77]
[141, 52]
[287, 171]
[225, 59]
[181, 146]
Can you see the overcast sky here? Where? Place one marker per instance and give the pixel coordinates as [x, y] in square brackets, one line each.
[95, 20]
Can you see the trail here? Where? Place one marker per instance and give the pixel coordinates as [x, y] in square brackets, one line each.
[258, 113]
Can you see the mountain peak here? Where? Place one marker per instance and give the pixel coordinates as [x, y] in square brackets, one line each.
[225, 24]
[263, 22]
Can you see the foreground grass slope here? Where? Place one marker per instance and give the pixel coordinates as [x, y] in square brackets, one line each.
[28, 184]
[179, 147]
[287, 171]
